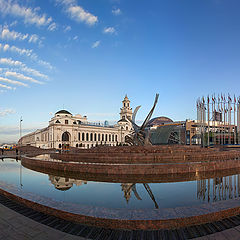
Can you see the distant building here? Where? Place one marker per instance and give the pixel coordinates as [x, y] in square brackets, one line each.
[164, 130]
[66, 130]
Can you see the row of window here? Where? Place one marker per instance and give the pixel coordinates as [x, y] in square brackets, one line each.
[97, 137]
[86, 145]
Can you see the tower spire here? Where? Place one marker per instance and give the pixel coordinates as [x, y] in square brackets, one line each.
[126, 110]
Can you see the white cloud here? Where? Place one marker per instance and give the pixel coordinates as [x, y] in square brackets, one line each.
[96, 44]
[116, 11]
[6, 87]
[5, 47]
[21, 77]
[77, 13]
[6, 34]
[67, 29]
[14, 23]
[6, 80]
[109, 30]
[29, 15]
[33, 38]
[6, 112]
[52, 27]
[22, 66]
[9, 61]
[75, 38]
[27, 52]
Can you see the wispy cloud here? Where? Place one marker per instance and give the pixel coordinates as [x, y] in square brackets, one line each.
[116, 11]
[22, 77]
[67, 28]
[77, 13]
[28, 14]
[96, 44]
[109, 30]
[27, 52]
[52, 27]
[22, 67]
[6, 87]
[7, 34]
[75, 38]
[6, 80]
[6, 112]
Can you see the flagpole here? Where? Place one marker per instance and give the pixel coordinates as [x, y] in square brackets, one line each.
[224, 119]
[238, 119]
[221, 133]
[229, 119]
[208, 118]
[214, 116]
[234, 109]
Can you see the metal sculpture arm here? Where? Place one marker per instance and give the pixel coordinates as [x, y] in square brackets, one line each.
[150, 113]
[139, 136]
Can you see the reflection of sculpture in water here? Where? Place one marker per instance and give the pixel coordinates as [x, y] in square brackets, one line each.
[140, 135]
[128, 187]
[219, 188]
[63, 184]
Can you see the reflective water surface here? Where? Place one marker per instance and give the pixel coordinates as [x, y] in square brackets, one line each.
[117, 194]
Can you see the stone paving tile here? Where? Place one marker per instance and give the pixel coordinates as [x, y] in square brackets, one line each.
[71, 237]
[237, 228]
[231, 234]
[202, 238]
[15, 234]
[217, 236]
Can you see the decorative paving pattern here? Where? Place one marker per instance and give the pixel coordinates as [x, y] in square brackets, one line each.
[97, 233]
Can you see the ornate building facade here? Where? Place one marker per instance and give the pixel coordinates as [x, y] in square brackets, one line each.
[64, 129]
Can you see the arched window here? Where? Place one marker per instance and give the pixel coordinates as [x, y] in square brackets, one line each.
[79, 136]
[112, 138]
[126, 127]
[83, 137]
[106, 137]
[109, 138]
[65, 137]
[59, 146]
[76, 145]
[87, 137]
[95, 137]
[116, 138]
[102, 137]
[91, 137]
[99, 137]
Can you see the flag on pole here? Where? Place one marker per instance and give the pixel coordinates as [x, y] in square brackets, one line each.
[229, 98]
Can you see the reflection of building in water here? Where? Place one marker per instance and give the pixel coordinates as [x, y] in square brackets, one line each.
[64, 184]
[219, 188]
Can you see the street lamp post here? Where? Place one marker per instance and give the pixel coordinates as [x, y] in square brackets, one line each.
[20, 144]
[20, 140]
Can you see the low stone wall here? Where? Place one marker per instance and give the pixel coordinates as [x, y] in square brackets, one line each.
[147, 154]
[134, 169]
[132, 178]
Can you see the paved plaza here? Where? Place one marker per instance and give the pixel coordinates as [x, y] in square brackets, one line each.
[14, 226]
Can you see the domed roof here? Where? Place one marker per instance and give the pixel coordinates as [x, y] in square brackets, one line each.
[159, 121]
[63, 112]
[63, 188]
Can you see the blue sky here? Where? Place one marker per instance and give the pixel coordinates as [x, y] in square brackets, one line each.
[85, 55]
